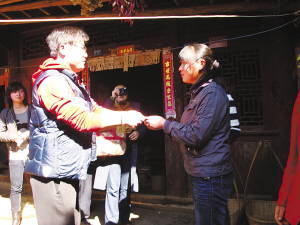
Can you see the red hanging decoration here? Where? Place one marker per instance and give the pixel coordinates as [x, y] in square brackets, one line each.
[127, 8]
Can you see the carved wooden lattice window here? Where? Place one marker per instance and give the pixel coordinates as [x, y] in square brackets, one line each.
[110, 32]
[34, 46]
[241, 73]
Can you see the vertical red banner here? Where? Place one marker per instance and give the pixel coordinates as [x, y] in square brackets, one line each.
[298, 65]
[85, 76]
[6, 77]
[168, 85]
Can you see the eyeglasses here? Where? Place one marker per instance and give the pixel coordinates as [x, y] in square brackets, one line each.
[186, 65]
[83, 48]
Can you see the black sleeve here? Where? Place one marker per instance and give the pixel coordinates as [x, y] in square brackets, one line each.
[234, 134]
[109, 104]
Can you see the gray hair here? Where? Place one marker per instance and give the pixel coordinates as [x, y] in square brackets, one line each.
[195, 52]
[64, 35]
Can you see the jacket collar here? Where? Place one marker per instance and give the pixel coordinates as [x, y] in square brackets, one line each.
[197, 86]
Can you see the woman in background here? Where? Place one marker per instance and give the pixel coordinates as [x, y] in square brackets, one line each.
[14, 122]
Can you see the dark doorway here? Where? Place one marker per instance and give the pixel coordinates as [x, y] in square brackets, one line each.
[3, 149]
[145, 86]
[2, 100]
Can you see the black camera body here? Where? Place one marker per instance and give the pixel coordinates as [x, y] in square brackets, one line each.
[123, 91]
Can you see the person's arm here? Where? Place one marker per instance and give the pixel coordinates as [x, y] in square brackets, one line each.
[235, 130]
[4, 135]
[208, 115]
[292, 162]
[109, 104]
[58, 98]
[142, 130]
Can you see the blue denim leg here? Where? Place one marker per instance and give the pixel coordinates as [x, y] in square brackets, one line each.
[112, 194]
[16, 171]
[125, 190]
[210, 199]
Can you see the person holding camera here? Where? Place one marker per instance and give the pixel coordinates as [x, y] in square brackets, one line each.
[117, 174]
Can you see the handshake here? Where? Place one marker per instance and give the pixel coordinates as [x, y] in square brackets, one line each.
[133, 118]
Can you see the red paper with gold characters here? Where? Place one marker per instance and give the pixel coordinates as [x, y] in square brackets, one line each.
[6, 77]
[168, 85]
[129, 49]
[85, 76]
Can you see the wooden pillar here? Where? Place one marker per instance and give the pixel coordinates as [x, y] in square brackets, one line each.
[176, 177]
[14, 58]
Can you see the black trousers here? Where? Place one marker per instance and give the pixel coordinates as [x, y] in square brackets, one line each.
[55, 200]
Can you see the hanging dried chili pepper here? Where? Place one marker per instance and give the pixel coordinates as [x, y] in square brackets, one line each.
[127, 8]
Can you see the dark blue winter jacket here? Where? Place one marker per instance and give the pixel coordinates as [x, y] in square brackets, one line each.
[204, 131]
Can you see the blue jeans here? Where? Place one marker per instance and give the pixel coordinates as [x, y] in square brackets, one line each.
[16, 171]
[118, 190]
[210, 199]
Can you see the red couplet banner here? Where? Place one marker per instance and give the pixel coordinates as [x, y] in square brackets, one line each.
[168, 85]
[85, 76]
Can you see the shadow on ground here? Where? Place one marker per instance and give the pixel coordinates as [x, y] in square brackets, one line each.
[145, 214]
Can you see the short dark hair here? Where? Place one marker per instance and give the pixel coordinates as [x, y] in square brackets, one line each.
[11, 87]
[64, 35]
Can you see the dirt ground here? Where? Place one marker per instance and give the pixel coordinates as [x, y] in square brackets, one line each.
[147, 214]
[141, 213]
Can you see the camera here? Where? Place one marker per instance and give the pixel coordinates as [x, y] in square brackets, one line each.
[123, 91]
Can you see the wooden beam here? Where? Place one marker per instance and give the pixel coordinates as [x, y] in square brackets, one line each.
[45, 11]
[232, 8]
[35, 5]
[177, 2]
[63, 9]
[218, 9]
[6, 16]
[6, 2]
[26, 14]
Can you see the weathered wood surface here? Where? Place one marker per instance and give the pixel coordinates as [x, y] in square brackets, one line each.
[217, 9]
